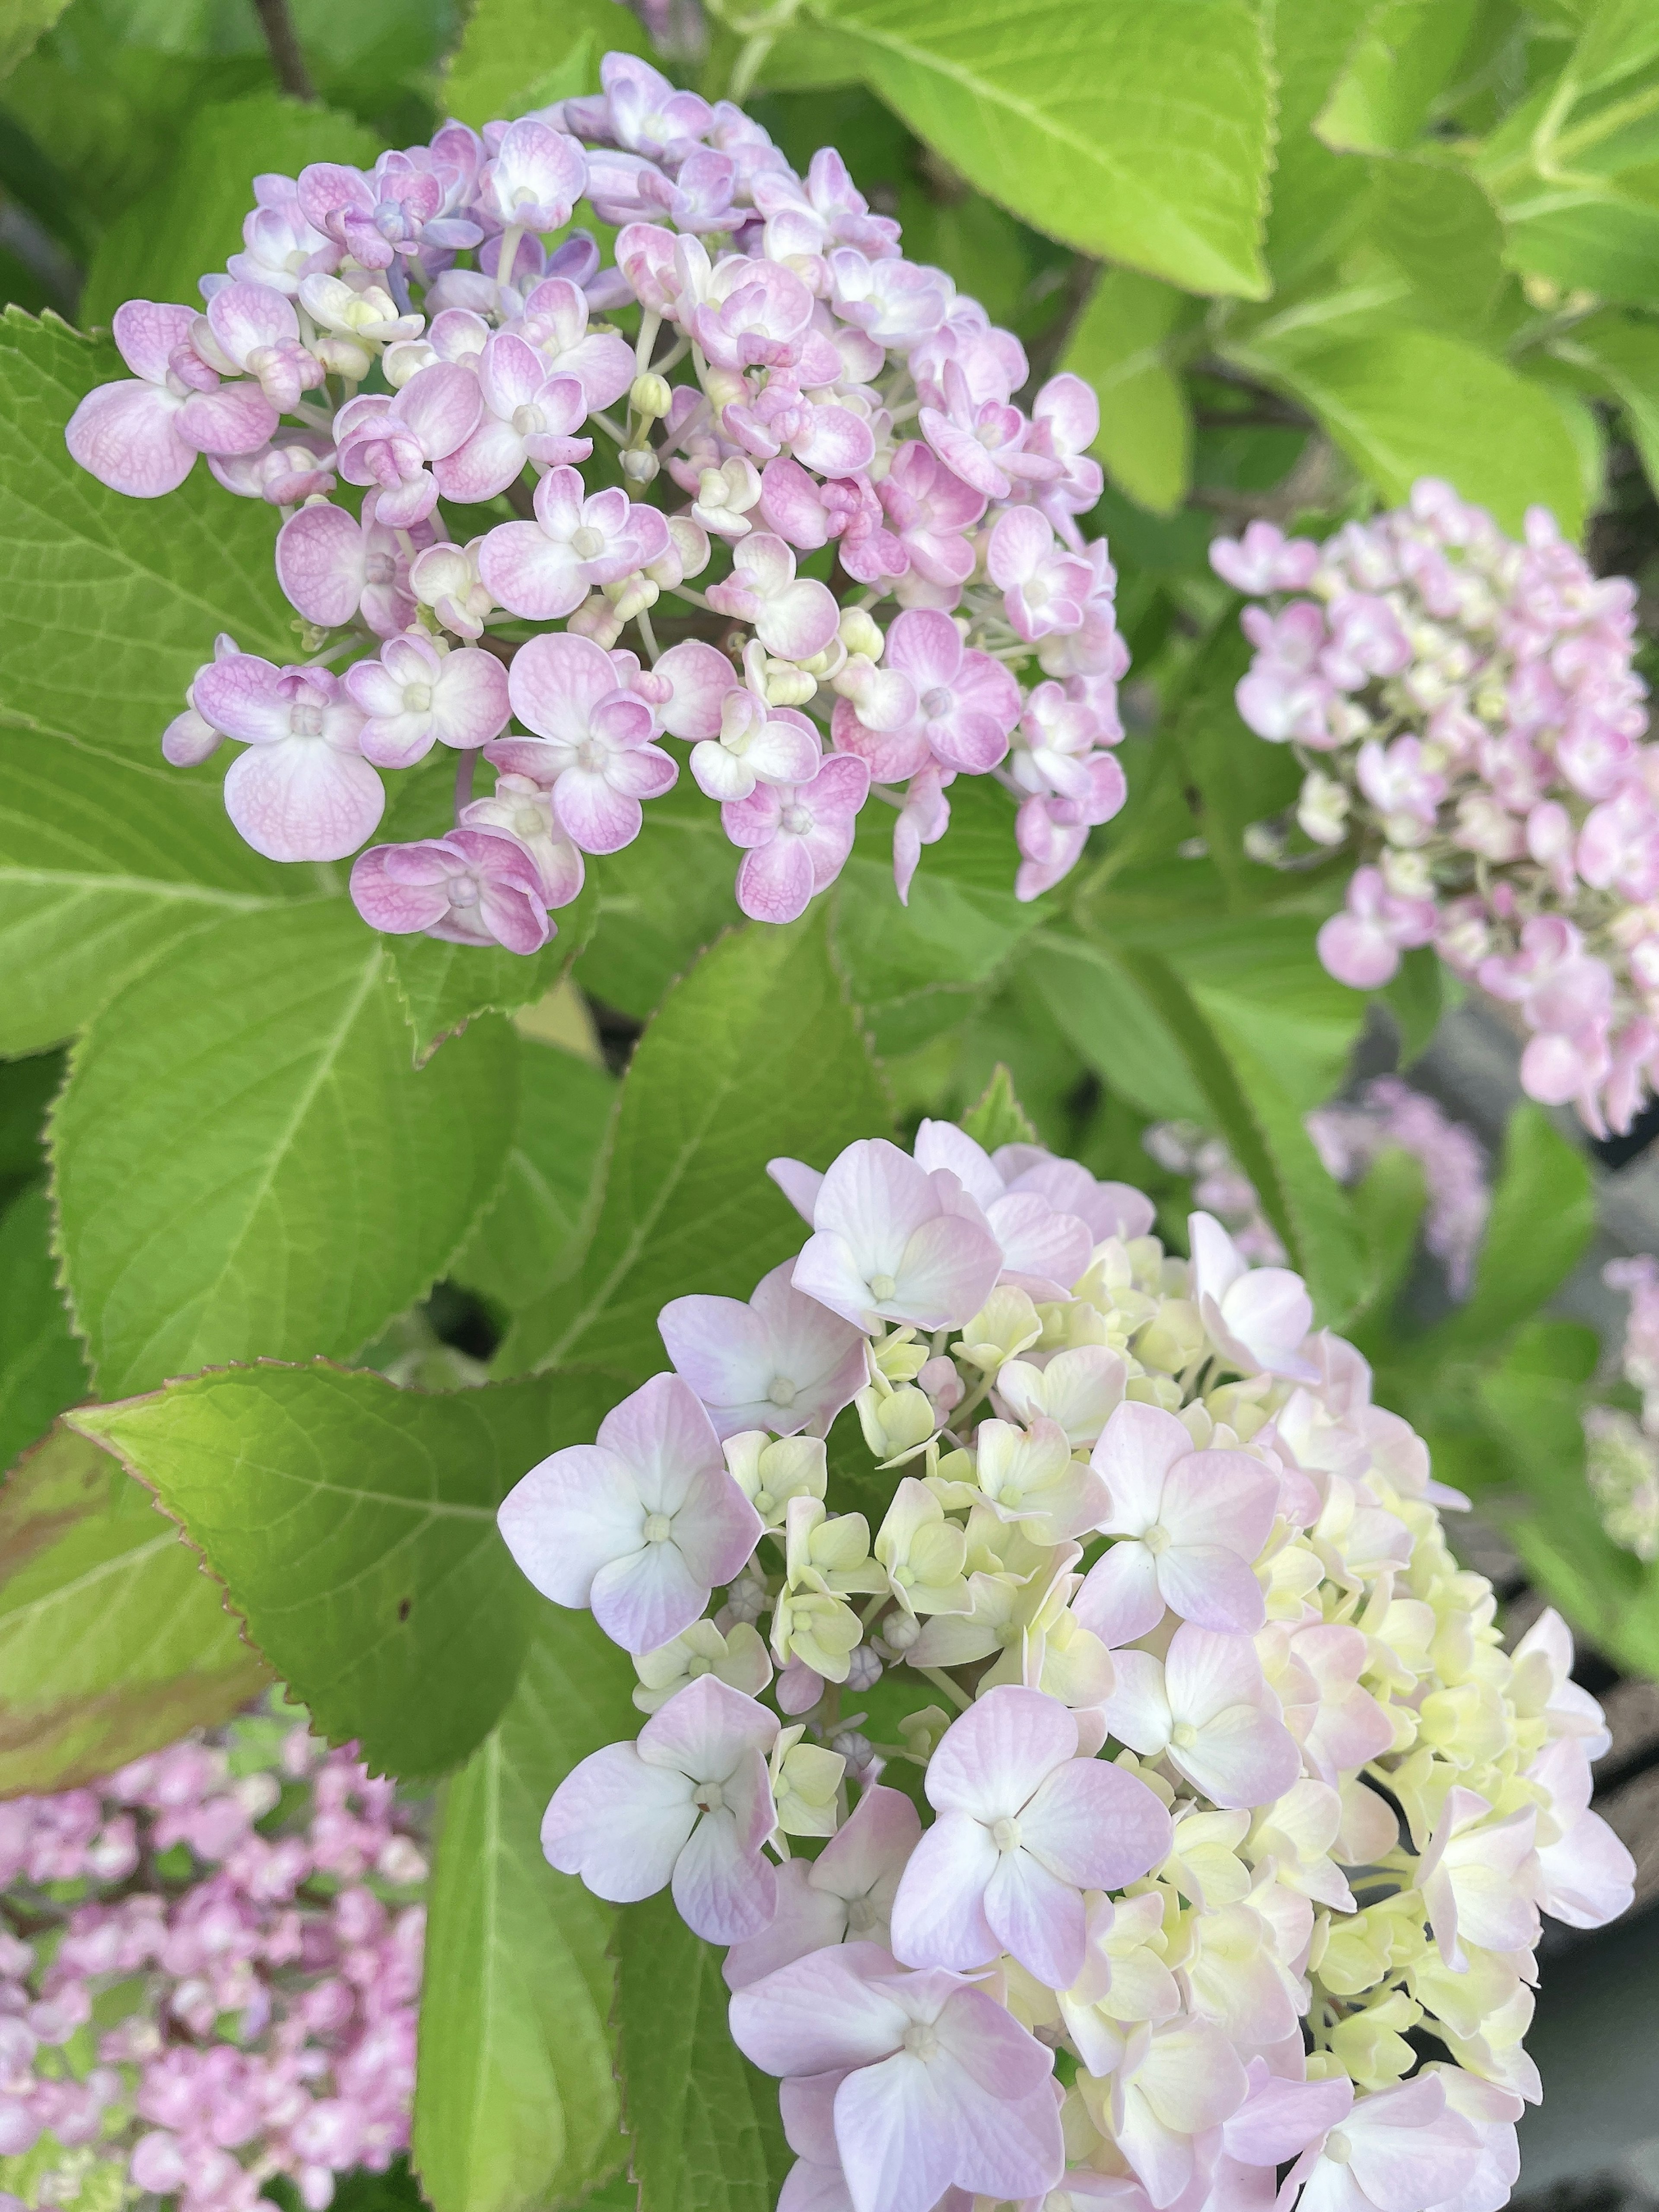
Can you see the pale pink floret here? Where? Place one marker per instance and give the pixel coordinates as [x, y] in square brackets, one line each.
[689, 1803]
[1362, 946]
[1340, 1726]
[520, 807]
[967, 703]
[795, 838]
[1079, 1389]
[295, 466]
[1044, 588]
[1404, 2146]
[142, 437]
[844, 1895]
[640, 1525]
[597, 753]
[1265, 560]
[530, 414]
[555, 322]
[936, 2085]
[252, 328]
[281, 245]
[577, 542]
[391, 443]
[792, 617]
[189, 739]
[986, 442]
[333, 567]
[1025, 1826]
[1107, 1209]
[1179, 2080]
[923, 820]
[1543, 1658]
[1207, 1709]
[415, 697]
[472, 886]
[742, 740]
[782, 1362]
[1190, 1525]
[1044, 1250]
[891, 1242]
[932, 513]
[1476, 1879]
[303, 791]
[1585, 1875]
[1259, 1317]
[536, 177]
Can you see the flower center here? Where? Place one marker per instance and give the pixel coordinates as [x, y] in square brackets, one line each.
[861, 1916]
[658, 1528]
[1004, 1834]
[379, 568]
[920, 2040]
[782, 1391]
[697, 1666]
[709, 1797]
[530, 422]
[527, 823]
[305, 721]
[1156, 1539]
[798, 819]
[1183, 1735]
[937, 703]
[590, 754]
[882, 1287]
[764, 1502]
[462, 891]
[417, 698]
[587, 544]
[1338, 2148]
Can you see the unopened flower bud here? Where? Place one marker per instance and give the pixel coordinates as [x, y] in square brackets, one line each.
[923, 1731]
[344, 357]
[1003, 1328]
[724, 387]
[899, 1356]
[1173, 1339]
[640, 465]
[1322, 809]
[651, 395]
[786, 686]
[896, 1423]
[864, 1668]
[632, 595]
[860, 632]
[597, 619]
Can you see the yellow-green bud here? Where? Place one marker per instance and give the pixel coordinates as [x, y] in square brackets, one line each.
[862, 632]
[651, 395]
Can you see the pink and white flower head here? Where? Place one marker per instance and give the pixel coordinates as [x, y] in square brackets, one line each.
[415, 697]
[639, 1526]
[534, 179]
[793, 616]
[795, 838]
[689, 1805]
[142, 437]
[392, 443]
[1259, 1318]
[303, 791]
[473, 886]
[334, 568]
[782, 1362]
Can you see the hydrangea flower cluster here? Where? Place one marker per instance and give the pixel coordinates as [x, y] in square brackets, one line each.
[1228, 1791]
[1621, 1455]
[779, 397]
[1349, 1136]
[208, 1970]
[1471, 726]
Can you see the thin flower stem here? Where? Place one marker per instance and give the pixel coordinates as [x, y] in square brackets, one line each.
[940, 1680]
[283, 41]
[648, 636]
[465, 764]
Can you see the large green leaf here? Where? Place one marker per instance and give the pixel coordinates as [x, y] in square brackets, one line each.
[1622, 354]
[1543, 1215]
[1314, 190]
[661, 901]
[112, 1642]
[25, 21]
[112, 604]
[755, 1054]
[353, 1525]
[1119, 345]
[517, 54]
[105, 865]
[1408, 52]
[521, 1246]
[247, 1162]
[1139, 133]
[41, 1366]
[189, 224]
[706, 2135]
[1430, 220]
[1405, 403]
[516, 2103]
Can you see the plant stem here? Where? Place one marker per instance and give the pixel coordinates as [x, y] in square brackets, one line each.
[940, 1680]
[286, 59]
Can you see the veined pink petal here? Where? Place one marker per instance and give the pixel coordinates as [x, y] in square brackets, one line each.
[619, 1824]
[569, 1516]
[1096, 1827]
[644, 1599]
[127, 436]
[724, 1894]
[1121, 1599]
[939, 1914]
[301, 800]
[1037, 1917]
[826, 2011]
[993, 1758]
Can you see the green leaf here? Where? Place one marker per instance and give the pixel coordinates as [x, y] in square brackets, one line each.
[1408, 52]
[41, 1366]
[1404, 403]
[26, 20]
[1140, 134]
[705, 2135]
[1101, 1009]
[112, 604]
[190, 221]
[442, 987]
[1623, 355]
[26, 1089]
[661, 900]
[1590, 238]
[1119, 345]
[519, 54]
[105, 864]
[1314, 190]
[1432, 222]
[516, 2103]
[998, 1118]
[353, 1526]
[1416, 997]
[1543, 1215]
[246, 1161]
[112, 1642]
[1237, 781]
[1388, 1205]
[551, 1193]
[755, 1054]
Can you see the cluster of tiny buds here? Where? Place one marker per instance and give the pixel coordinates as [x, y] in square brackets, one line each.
[209, 1965]
[1621, 1449]
[1471, 725]
[1114, 1800]
[774, 390]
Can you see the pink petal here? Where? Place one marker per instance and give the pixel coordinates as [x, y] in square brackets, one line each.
[470, 704]
[618, 1823]
[821, 2014]
[1220, 1497]
[722, 1348]
[481, 464]
[724, 1894]
[775, 882]
[1096, 1827]
[569, 1518]
[1121, 1599]
[1138, 1446]
[300, 799]
[708, 1730]
[1212, 1586]
[237, 418]
[555, 682]
[516, 919]
[949, 1268]
[939, 1913]
[147, 331]
[441, 405]
[530, 574]
[806, 1920]
[1138, 1711]
[1243, 1758]
[1037, 1917]
[798, 621]
[319, 563]
[385, 903]
[716, 1528]
[993, 1758]
[127, 436]
[700, 676]
[593, 814]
